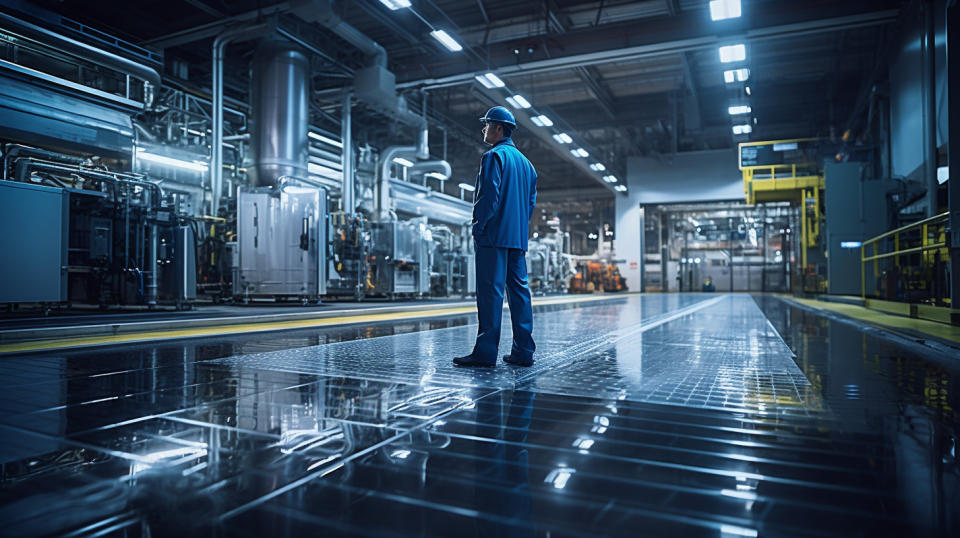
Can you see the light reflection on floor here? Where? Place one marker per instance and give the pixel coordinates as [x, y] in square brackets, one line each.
[695, 414]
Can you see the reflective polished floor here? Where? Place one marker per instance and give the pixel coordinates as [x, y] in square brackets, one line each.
[658, 415]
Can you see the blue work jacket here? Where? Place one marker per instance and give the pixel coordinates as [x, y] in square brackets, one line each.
[506, 191]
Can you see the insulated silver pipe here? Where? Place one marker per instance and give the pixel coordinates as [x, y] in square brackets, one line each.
[346, 138]
[423, 142]
[152, 265]
[383, 184]
[429, 166]
[81, 50]
[216, 159]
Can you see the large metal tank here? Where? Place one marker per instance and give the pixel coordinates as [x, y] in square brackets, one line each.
[279, 102]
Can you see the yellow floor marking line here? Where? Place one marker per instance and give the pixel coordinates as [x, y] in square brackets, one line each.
[932, 328]
[222, 330]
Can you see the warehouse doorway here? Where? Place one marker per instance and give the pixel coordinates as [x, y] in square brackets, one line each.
[722, 247]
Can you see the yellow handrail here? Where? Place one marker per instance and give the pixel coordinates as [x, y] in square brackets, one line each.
[907, 227]
[897, 252]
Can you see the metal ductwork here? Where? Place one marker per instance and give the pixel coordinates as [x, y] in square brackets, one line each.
[374, 84]
[321, 11]
[280, 112]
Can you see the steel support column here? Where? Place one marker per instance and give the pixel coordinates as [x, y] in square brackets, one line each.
[953, 149]
[930, 106]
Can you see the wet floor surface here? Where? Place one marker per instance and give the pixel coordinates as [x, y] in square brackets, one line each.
[705, 415]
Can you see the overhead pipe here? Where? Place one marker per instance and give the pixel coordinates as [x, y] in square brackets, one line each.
[219, 49]
[82, 50]
[383, 183]
[14, 151]
[431, 166]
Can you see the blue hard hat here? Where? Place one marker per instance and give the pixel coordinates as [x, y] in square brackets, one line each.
[500, 114]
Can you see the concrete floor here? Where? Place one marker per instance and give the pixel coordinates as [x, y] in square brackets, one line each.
[718, 415]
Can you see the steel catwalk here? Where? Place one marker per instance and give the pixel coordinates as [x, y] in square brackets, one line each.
[699, 414]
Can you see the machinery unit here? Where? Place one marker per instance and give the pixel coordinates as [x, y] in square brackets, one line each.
[142, 191]
[596, 276]
[105, 238]
[548, 265]
[400, 259]
[44, 279]
[349, 247]
[281, 236]
[454, 270]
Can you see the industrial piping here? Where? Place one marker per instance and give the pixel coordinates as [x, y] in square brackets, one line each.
[82, 50]
[216, 158]
[383, 185]
[346, 138]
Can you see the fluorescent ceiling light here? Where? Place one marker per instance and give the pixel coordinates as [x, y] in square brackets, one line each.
[562, 138]
[517, 101]
[436, 175]
[447, 41]
[746, 128]
[395, 4]
[482, 79]
[196, 166]
[402, 162]
[325, 139]
[621, 188]
[598, 167]
[733, 53]
[851, 244]
[467, 187]
[610, 179]
[489, 81]
[582, 152]
[736, 75]
[541, 121]
[739, 109]
[721, 9]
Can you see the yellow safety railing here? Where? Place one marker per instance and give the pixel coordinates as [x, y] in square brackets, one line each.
[926, 244]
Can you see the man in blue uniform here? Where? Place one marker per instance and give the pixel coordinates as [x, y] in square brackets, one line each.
[506, 191]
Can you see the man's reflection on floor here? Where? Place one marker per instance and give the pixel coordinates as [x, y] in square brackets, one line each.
[502, 491]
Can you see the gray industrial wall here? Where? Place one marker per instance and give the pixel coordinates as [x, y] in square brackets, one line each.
[906, 95]
[701, 176]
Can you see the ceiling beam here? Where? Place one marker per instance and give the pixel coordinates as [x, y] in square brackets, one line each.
[377, 13]
[658, 36]
[673, 6]
[214, 28]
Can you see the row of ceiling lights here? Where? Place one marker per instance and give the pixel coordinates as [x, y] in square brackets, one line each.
[442, 36]
[517, 101]
[732, 54]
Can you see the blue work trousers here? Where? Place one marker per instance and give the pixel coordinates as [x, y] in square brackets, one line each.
[498, 268]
